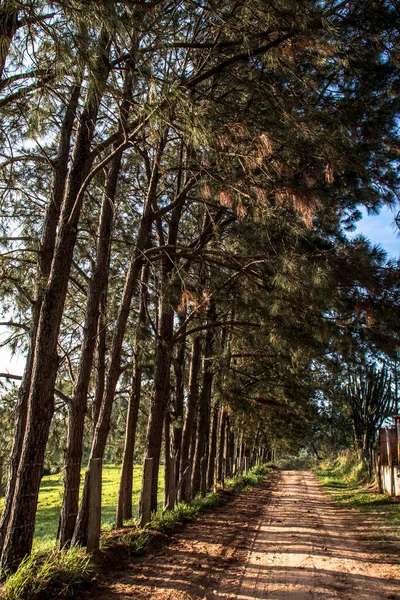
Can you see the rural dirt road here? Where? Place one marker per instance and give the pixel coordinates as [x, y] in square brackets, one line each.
[284, 541]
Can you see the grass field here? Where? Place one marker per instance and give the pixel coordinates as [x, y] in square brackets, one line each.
[50, 498]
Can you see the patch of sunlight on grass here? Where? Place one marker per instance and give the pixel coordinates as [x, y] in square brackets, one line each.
[345, 481]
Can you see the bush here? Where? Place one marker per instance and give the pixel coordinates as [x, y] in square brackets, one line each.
[135, 542]
[250, 479]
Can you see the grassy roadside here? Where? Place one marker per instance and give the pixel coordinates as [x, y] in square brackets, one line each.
[347, 483]
[57, 574]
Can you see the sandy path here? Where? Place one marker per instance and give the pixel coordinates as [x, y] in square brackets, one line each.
[306, 548]
[283, 541]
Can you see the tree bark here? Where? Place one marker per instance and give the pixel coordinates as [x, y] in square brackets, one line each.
[230, 451]
[167, 456]
[189, 425]
[101, 353]
[178, 404]
[222, 445]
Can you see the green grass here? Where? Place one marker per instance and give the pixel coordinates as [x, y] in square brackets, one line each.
[346, 481]
[55, 575]
[50, 498]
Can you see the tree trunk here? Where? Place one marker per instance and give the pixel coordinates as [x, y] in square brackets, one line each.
[213, 446]
[124, 509]
[101, 353]
[221, 448]
[167, 456]
[199, 481]
[230, 452]
[178, 404]
[189, 425]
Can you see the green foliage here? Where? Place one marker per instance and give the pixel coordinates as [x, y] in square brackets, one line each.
[301, 461]
[137, 540]
[372, 400]
[55, 575]
[165, 521]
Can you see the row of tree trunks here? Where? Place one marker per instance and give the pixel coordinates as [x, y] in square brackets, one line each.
[159, 400]
[19, 535]
[45, 256]
[103, 422]
[96, 290]
[192, 452]
[163, 355]
[114, 369]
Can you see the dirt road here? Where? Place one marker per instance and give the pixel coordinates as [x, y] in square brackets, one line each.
[306, 548]
[283, 541]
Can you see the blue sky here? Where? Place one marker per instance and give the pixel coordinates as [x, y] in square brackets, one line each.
[381, 229]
